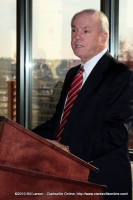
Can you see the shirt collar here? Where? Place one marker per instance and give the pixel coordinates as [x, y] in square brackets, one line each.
[90, 64]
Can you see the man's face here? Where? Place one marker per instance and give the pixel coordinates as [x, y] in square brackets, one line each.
[87, 40]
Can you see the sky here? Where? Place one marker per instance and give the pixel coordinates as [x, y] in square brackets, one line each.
[7, 28]
[51, 26]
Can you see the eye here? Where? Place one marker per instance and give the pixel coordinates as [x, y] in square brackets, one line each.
[87, 31]
[73, 30]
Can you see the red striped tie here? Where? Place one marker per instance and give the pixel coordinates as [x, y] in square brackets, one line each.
[72, 94]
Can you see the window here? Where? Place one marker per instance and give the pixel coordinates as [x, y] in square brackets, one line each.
[126, 32]
[52, 54]
[8, 58]
[126, 42]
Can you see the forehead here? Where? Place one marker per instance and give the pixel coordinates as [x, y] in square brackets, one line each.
[86, 19]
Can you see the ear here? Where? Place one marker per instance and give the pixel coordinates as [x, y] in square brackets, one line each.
[104, 37]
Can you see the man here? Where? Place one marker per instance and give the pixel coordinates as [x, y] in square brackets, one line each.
[100, 119]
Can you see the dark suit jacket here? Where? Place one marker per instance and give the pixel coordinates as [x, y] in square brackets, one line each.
[99, 124]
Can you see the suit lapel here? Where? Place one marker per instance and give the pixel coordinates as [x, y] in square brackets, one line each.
[97, 74]
[68, 82]
[94, 80]
[69, 78]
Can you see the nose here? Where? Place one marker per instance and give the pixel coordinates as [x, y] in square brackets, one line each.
[78, 35]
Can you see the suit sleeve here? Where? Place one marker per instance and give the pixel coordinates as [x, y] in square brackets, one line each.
[118, 120]
[45, 130]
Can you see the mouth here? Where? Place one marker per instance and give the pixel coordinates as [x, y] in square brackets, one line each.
[79, 46]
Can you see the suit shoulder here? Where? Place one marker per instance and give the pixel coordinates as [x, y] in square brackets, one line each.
[117, 67]
[73, 70]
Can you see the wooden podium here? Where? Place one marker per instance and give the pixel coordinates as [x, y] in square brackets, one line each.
[32, 167]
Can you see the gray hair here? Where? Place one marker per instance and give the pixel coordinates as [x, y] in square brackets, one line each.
[101, 17]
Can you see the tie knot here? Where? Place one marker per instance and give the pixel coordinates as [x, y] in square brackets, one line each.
[81, 70]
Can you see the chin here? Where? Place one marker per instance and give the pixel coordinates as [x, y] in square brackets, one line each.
[78, 54]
